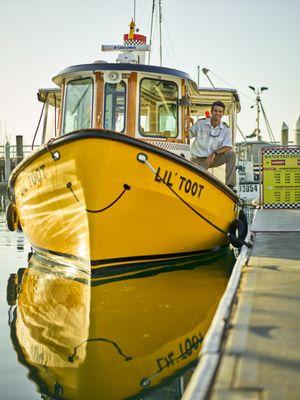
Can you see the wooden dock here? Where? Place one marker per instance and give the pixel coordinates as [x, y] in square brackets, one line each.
[10, 156]
[252, 350]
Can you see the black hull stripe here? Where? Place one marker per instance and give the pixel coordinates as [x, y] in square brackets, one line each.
[151, 257]
[133, 271]
[113, 274]
[117, 263]
[136, 274]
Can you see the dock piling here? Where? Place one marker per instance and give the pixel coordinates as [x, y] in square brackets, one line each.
[297, 132]
[284, 134]
[19, 149]
[7, 167]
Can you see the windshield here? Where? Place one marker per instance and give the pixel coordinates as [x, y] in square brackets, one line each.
[115, 105]
[78, 105]
[158, 108]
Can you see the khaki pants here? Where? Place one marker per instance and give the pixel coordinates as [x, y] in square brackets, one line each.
[227, 158]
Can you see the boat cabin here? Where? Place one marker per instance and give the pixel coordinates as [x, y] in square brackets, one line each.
[150, 103]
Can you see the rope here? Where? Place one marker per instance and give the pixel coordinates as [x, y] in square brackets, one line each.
[127, 358]
[55, 115]
[125, 186]
[143, 159]
[229, 84]
[267, 123]
[239, 129]
[55, 154]
[38, 125]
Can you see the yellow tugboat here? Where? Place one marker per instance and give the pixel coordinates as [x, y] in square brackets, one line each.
[112, 182]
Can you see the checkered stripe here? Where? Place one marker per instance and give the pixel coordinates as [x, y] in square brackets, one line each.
[274, 150]
[132, 42]
[171, 146]
[281, 205]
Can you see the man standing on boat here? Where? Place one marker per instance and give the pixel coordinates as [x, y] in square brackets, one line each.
[212, 146]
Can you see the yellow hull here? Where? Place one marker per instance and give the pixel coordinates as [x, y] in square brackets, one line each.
[98, 203]
[80, 339]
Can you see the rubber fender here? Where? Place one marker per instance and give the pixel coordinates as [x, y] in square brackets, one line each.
[243, 219]
[11, 217]
[11, 290]
[236, 233]
[19, 279]
[20, 229]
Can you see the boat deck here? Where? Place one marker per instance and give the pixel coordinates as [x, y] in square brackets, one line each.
[252, 350]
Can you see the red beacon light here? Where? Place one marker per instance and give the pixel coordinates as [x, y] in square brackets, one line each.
[132, 50]
[132, 38]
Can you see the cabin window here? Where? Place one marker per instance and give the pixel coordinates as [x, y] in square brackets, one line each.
[158, 108]
[49, 124]
[78, 105]
[115, 106]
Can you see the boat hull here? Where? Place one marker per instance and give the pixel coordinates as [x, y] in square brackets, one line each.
[89, 197]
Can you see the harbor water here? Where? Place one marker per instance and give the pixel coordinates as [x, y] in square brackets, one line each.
[123, 335]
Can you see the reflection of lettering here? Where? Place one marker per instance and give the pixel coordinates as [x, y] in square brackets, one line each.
[184, 185]
[185, 349]
[165, 362]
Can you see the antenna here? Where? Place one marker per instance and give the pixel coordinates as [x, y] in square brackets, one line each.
[198, 75]
[134, 10]
[259, 107]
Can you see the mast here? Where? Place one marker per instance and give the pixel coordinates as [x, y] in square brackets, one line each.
[257, 116]
[259, 107]
[160, 35]
[160, 30]
[151, 30]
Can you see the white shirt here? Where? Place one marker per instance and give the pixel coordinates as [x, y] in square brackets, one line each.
[208, 138]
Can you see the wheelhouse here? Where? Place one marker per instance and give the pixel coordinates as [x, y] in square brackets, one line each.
[150, 103]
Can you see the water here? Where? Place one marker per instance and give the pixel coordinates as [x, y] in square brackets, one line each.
[136, 335]
[13, 376]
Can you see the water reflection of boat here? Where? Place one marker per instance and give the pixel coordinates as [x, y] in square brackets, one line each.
[113, 181]
[116, 339]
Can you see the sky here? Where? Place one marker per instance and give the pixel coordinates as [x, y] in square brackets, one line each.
[242, 43]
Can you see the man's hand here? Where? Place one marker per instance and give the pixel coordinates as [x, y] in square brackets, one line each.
[210, 159]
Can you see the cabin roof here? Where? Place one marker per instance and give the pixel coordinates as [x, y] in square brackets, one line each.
[204, 97]
[256, 142]
[50, 95]
[100, 66]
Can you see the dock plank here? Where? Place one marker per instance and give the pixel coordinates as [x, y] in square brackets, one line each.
[260, 354]
[274, 220]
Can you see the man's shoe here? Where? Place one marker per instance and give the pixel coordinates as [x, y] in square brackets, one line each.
[232, 188]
